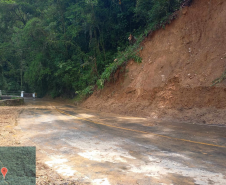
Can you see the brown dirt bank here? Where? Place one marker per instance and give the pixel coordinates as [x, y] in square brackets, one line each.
[179, 64]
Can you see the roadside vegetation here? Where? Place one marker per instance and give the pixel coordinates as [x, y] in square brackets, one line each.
[66, 47]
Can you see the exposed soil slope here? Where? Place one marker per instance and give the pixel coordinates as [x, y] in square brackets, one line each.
[179, 64]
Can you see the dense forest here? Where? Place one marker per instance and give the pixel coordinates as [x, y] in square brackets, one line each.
[59, 47]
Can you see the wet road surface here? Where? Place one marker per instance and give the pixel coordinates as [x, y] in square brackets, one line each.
[108, 149]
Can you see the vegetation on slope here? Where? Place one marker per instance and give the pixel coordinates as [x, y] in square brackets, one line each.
[64, 46]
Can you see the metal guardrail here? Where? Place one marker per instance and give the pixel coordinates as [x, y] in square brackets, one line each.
[17, 93]
[11, 93]
[28, 94]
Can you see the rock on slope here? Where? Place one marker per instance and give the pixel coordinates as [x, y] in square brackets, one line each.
[179, 64]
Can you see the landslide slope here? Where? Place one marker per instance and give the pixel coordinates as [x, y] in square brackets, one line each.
[179, 64]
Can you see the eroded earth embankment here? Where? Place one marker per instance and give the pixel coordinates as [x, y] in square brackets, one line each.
[179, 64]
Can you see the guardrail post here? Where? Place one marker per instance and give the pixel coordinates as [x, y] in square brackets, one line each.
[22, 94]
[0, 92]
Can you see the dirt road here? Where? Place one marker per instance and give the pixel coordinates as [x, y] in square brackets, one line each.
[107, 149]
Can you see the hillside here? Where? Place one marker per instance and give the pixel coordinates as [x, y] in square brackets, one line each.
[174, 80]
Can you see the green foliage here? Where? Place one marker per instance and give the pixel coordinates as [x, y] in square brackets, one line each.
[60, 47]
[88, 90]
[156, 14]
[100, 83]
[7, 1]
[15, 98]
[81, 95]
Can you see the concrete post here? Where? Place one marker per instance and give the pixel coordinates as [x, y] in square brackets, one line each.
[34, 95]
[22, 94]
[0, 92]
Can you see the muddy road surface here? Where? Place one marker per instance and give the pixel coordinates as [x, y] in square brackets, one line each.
[106, 149]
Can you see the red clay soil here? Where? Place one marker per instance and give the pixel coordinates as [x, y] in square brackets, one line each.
[179, 64]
